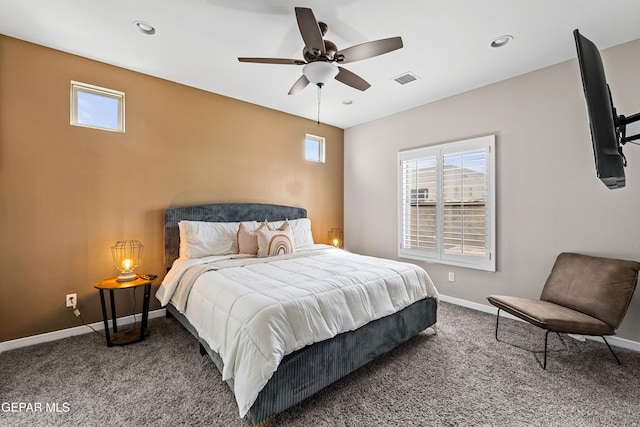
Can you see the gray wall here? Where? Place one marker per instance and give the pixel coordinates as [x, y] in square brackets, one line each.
[548, 197]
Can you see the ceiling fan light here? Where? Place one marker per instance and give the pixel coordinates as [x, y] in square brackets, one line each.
[319, 73]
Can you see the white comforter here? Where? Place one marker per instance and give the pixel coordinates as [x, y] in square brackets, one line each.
[253, 312]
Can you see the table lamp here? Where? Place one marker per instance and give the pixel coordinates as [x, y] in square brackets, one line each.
[127, 255]
[335, 237]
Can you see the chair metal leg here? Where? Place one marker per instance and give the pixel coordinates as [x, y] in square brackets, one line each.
[611, 350]
[546, 342]
[546, 337]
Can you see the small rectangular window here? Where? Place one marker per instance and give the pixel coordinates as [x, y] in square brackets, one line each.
[97, 107]
[314, 148]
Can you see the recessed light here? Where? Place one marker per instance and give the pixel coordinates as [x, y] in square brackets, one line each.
[501, 41]
[145, 28]
[347, 101]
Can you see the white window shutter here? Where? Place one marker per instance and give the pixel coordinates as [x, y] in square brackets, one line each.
[420, 192]
[464, 184]
[446, 203]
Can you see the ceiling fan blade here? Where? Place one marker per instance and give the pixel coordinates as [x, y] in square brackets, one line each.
[300, 84]
[310, 30]
[284, 61]
[369, 49]
[351, 79]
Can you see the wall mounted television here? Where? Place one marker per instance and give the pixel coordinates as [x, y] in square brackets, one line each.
[608, 129]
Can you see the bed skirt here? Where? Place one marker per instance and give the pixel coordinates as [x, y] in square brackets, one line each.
[314, 367]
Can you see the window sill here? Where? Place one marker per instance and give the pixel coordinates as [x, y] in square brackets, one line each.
[483, 264]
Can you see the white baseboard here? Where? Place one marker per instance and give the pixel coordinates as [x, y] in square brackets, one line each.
[476, 306]
[616, 341]
[70, 332]
[79, 330]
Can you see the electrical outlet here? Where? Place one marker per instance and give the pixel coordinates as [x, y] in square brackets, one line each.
[72, 300]
[452, 276]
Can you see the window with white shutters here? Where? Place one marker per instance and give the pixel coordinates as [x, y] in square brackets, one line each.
[447, 203]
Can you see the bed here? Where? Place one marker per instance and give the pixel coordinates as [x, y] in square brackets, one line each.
[302, 368]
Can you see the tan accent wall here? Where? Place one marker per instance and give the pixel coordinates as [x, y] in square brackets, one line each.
[68, 193]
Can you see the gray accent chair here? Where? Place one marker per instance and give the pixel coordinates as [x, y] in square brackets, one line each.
[583, 295]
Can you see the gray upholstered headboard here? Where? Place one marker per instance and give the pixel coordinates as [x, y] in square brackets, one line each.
[220, 212]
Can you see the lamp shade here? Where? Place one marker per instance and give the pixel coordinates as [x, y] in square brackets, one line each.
[319, 73]
[127, 255]
[335, 237]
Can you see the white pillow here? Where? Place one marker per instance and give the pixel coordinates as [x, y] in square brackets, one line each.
[199, 238]
[275, 242]
[301, 231]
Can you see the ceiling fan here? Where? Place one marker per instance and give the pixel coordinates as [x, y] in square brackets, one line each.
[321, 55]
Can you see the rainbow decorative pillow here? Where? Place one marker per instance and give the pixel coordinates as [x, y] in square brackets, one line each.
[301, 230]
[275, 242]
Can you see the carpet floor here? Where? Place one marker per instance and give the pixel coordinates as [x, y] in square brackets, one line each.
[460, 377]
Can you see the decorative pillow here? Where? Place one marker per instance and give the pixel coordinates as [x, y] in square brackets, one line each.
[275, 242]
[281, 226]
[199, 239]
[301, 230]
[248, 240]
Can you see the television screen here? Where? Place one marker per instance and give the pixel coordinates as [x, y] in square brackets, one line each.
[607, 149]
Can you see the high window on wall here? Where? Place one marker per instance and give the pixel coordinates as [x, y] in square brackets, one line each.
[314, 148]
[447, 203]
[97, 107]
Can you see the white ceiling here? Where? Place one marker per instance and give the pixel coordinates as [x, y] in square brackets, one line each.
[446, 44]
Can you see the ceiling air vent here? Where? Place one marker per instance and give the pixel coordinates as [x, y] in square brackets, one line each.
[405, 78]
